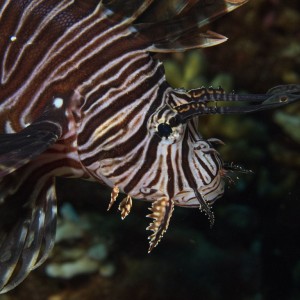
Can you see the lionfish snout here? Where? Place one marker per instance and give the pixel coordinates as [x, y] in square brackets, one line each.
[204, 174]
[195, 198]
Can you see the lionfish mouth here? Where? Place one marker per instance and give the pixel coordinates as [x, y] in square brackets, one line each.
[196, 198]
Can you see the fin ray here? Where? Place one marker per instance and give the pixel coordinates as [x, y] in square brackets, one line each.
[189, 41]
[11, 249]
[19, 148]
[29, 242]
[129, 10]
[169, 26]
[183, 31]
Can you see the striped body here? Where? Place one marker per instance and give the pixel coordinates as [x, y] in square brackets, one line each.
[110, 86]
[82, 96]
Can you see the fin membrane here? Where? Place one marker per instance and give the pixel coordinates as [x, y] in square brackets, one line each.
[17, 149]
[27, 224]
[193, 40]
[129, 10]
[171, 26]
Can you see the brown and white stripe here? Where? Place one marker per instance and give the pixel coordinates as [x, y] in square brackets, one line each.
[83, 68]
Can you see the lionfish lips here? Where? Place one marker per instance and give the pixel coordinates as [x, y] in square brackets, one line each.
[194, 197]
[189, 199]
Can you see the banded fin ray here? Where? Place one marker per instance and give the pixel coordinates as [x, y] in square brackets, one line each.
[171, 26]
[129, 10]
[17, 149]
[184, 31]
[193, 40]
[153, 11]
[26, 243]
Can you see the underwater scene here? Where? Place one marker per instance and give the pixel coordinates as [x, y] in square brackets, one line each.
[253, 250]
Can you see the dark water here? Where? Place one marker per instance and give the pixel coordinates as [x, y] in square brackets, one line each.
[253, 251]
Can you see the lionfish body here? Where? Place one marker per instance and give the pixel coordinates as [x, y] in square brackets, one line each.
[82, 96]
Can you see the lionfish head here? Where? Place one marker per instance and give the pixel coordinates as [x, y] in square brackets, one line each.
[167, 161]
[188, 170]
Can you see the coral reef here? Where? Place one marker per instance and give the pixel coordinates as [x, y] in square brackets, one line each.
[79, 258]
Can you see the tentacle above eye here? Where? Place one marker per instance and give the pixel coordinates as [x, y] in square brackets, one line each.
[205, 101]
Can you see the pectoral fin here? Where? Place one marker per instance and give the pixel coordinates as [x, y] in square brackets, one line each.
[17, 149]
[27, 237]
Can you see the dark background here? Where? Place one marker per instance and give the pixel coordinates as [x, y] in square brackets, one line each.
[253, 251]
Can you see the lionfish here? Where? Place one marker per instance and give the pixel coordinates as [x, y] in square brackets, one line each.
[81, 95]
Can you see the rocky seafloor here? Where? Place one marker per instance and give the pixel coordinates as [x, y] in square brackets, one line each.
[253, 250]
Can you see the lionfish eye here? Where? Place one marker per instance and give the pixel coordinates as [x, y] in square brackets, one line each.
[164, 130]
